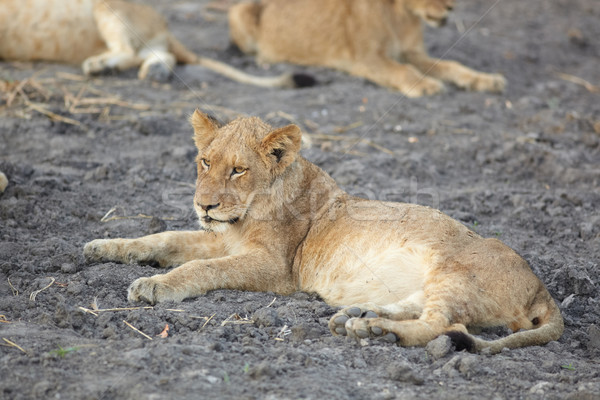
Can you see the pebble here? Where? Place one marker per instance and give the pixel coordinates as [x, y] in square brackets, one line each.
[402, 372]
[593, 337]
[264, 317]
[439, 347]
[68, 268]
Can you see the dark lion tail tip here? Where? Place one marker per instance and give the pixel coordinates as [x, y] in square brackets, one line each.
[461, 341]
[303, 80]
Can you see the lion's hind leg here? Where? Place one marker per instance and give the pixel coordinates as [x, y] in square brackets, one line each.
[117, 34]
[404, 310]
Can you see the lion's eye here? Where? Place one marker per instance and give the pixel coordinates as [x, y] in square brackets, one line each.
[238, 171]
[205, 163]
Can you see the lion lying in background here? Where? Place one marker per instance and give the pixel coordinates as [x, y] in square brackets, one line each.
[273, 221]
[380, 40]
[107, 35]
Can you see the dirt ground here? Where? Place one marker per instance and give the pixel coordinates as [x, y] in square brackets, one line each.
[113, 157]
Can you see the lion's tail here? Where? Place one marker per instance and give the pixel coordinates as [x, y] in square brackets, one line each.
[183, 55]
[549, 330]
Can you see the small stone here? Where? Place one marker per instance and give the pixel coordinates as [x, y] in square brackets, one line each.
[402, 372]
[439, 347]
[262, 370]
[266, 317]
[109, 333]
[68, 268]
[593, 337]
[156, 225]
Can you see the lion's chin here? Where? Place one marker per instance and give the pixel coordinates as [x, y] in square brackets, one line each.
[213, 225]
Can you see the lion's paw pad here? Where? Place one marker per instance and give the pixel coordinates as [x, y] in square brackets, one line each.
[337, 323]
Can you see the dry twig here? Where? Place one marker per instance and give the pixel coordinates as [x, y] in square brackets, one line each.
[13, 344]
[238, 320]
[99, 310]
[272, 301]
[53, 116]
[14, 290]
[283, 333]
[33, 294]
[137, 330]
[578, 81]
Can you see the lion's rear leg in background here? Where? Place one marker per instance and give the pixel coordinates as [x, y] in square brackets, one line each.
[128, 48]
[243, 26]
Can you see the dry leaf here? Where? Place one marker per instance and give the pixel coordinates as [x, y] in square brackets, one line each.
[165, 332]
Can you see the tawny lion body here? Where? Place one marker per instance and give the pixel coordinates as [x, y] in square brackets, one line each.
[106, 35]
[366, 38]
[273, 221]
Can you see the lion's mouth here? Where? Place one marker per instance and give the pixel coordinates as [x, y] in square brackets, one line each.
[208, 219]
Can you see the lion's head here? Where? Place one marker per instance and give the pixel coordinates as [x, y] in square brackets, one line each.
[237, 162]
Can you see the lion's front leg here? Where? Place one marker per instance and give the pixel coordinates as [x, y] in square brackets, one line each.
[255, 272]
[405, 78]
[456, 73]
[165, 248]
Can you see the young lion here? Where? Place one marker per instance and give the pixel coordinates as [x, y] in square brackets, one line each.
[107, 35]
[365, 38]
[273, 221]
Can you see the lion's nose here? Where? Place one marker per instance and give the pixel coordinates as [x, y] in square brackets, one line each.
[209, 206]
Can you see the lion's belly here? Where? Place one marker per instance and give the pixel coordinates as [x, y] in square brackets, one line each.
[363, 270]
[51, 30]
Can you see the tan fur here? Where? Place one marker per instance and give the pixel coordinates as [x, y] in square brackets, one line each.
[103, 35]
[380, 40]
[272, 221]
[3, 182]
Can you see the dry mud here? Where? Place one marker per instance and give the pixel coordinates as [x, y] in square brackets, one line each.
[523, 166]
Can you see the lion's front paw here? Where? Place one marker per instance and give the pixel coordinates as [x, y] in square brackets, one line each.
[96, 66]
[425, 86]
[483, 82]
[98, 250]
[153, 290]
[362, 328]
[492, 83]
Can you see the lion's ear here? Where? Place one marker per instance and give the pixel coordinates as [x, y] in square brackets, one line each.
[281, 147]
[205, 128]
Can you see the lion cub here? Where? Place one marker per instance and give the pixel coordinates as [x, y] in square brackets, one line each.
[106, 35]
[380, 40]
[273, 221]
